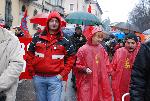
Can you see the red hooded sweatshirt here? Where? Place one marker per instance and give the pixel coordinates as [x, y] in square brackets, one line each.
[50, 54]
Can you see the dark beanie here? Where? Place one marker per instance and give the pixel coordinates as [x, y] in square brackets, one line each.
[78, 27]
[131, 36]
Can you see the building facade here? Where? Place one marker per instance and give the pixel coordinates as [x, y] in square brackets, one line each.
[82, 5]
[12, 11]
[74, 5]
[96, 9]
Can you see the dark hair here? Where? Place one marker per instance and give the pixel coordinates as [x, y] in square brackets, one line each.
[78, 28]
[131, 36]
[18, 28]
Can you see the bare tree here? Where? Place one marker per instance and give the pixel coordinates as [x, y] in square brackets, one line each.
[140, 15]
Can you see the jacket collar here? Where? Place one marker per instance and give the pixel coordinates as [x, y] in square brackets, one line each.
[46, 36]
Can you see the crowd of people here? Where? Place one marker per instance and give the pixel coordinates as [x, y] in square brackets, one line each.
[103, 69]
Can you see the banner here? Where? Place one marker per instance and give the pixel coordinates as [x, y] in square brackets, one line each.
[25, 42]
[24, 27]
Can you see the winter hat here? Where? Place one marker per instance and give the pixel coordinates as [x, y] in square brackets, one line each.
[78, 28]
[96, 29]
[131, 36]
[89, 31]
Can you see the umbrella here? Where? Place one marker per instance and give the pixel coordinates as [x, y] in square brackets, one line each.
[147, 32]
[68, 31]
[113, 24]
[82, 18]
[128, 26]
[119, 35]
[41, 19]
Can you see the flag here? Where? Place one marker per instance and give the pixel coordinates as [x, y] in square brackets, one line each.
[23, 26]
[24, 47]
[89, 9]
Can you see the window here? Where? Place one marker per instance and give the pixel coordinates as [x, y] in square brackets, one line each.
[71, 7]
[54, 2]
[8, 15]
[23, 8]
[35, 13]
[61, 2]
[96, 13]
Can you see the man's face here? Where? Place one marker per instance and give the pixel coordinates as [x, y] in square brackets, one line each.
[17, 31]
[97, 38]
[53, 24]
[130, 45]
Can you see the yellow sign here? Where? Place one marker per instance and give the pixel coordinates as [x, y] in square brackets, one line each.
[127, 64]
[97, 59]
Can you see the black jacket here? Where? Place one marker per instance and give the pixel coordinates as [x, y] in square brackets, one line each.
[140, 77]
[78, 41]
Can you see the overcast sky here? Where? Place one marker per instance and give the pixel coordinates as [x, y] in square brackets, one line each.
[117, 10]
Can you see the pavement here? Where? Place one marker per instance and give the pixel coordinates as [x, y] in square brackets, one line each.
[25, 91]
[69, 93]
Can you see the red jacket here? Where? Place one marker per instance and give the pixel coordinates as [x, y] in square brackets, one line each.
[49, 55]
[122, 65]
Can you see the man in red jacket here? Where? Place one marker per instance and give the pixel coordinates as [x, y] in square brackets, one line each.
[50, 58]
[122, 65]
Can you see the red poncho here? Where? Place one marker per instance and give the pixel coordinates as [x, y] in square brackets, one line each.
[122, 65]
[95, 86]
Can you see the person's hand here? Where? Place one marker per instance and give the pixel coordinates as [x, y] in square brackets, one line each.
[88, 71]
